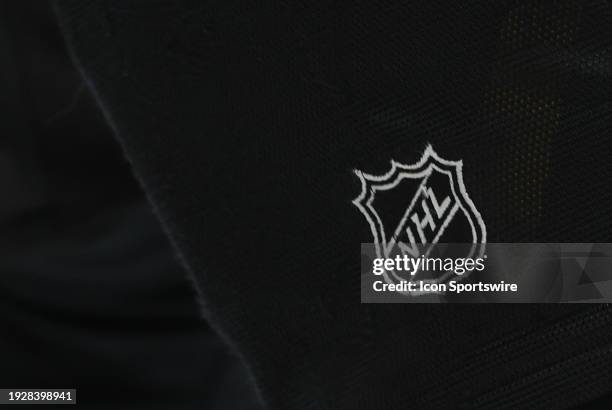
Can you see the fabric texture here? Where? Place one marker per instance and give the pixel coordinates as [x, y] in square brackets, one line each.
[244, 122]
[92, 296]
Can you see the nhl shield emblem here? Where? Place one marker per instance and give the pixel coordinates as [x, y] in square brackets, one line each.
[413, 208]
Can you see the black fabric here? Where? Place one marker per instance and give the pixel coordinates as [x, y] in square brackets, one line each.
[244, 122]
[92, 296]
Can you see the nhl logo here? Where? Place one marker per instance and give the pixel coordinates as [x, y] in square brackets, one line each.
[411, 208]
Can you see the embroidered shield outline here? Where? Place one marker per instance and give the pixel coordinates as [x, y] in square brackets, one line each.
[385, 241]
